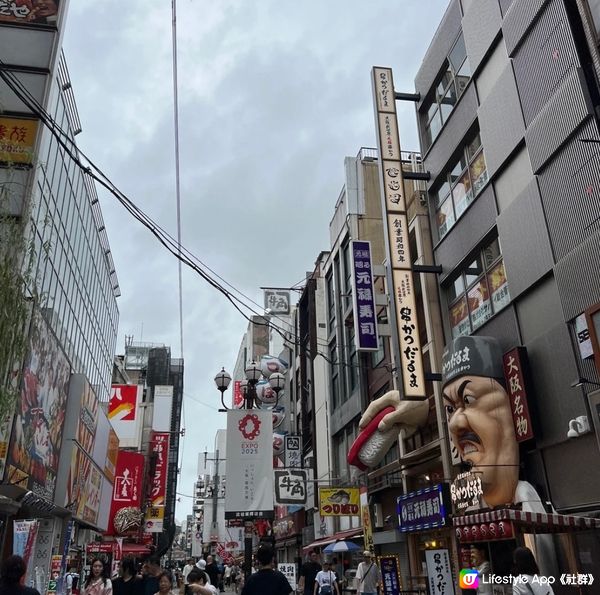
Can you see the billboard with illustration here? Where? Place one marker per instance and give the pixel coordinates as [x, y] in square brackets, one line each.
[40, 414]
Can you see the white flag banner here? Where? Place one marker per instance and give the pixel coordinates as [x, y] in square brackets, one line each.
[250, 461]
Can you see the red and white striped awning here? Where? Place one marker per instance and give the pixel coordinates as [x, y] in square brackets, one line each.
[541, 522]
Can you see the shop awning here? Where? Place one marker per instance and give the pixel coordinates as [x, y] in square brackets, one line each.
[348, 534]
[136, 549]
[538, 522]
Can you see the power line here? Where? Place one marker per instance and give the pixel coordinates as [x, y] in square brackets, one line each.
[172, 245]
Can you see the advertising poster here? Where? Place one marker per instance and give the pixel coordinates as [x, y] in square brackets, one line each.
[339, 502]
[123, 413]
[29, 12]
[365, 516]
[250, 457]
[88, 419]
[37, 432]
[83, 487]
[159, 451]
[111, 455]
[17, 136]
[24, 539]
[127, 489]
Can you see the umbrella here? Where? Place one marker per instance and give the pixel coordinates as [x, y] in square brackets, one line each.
[341, 546]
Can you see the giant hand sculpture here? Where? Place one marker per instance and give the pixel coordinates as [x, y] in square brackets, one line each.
[383, 420]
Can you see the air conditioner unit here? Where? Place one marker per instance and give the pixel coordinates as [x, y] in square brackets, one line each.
[378, 515]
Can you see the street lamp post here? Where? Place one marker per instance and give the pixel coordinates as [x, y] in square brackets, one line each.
[248, 387]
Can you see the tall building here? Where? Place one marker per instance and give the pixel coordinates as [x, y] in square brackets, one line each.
[72, 288]
[507, 112]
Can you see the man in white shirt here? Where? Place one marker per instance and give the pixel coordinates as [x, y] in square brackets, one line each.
[186, 570]
[368, 575]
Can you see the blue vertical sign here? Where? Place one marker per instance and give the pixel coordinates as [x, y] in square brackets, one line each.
[390, 576]
[365, 314]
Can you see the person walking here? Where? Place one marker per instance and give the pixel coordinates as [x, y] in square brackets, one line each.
[151, 570]
[308, 573]
[127, 583]
[526, 569]
[325, 581]
[12, 572]
[187, 569]
[199, 583]
[165, 583]
[479, 559]
[266, 580]
[368, 575]
[97, 581]
[212, 570]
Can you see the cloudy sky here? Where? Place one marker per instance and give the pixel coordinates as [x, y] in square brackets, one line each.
[273, 95]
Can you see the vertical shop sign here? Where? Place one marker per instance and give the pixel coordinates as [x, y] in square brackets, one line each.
[439, 574]
[514, 363]
[124, 414]
[159, 449]
[127, 489]
[404, 305]
[363, 297]
[250, 458]
[390, 575]
[293, 450]
[365, 515]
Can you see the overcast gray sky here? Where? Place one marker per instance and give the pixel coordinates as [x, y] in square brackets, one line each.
[273, 95]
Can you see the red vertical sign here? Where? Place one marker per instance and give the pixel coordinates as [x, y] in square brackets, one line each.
[159, 448]
[127, 489]
[514, 362]
[238, 397]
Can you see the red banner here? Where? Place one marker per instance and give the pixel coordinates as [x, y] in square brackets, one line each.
[127, 490]
[494, 531]
[159, 448]
[515, 362]
[238, 397]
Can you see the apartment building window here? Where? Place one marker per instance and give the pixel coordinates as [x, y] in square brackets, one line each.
[330, 301]
[465, 180]
[352, 360]
[335, 375]
[446, 91]
[479, 291]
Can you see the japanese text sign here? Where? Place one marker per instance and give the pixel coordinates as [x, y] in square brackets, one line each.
[390, 575]
[396, 229]
[365, 314]
[29, 13]
[466, 491]
[494, 531]
[17, 139]
[293, 450]
[423, 509]
[514, 363]
[159, 448]
[339, 502]
[290, 486]
[277, 301]
[127, 488]
[439, 573]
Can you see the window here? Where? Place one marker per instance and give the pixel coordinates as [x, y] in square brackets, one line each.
[479, 291]
[446, 91]
[467, 177]
[330, 301]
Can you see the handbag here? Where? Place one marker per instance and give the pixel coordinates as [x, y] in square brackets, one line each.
[327, 589]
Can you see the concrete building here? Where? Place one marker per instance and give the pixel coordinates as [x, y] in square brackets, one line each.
[507, 115]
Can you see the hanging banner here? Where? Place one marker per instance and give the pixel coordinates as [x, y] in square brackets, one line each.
[396, 229]
[439, 572]
[127, 489]
[124, 414]
[277, 301]
[365, 515]
[339, 502]
[154, 519]
[363, 297]
[250, 458]
[159, 450]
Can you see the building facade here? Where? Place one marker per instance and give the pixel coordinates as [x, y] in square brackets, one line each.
[507, 115]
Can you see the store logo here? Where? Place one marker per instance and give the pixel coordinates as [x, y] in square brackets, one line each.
[468, 578]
